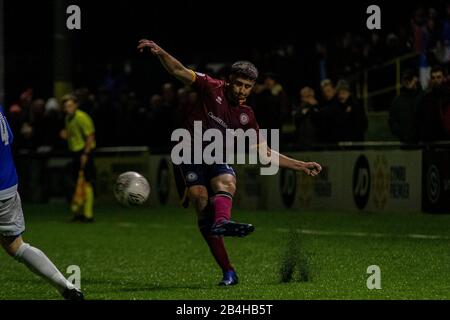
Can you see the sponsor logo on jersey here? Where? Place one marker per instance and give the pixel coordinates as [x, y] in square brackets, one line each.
[218, 120]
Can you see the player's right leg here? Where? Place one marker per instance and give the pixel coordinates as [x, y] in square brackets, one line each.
[11, 227]
[191, 180]
[198, 196]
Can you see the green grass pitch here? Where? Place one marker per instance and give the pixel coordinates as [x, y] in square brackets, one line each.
[159, 254]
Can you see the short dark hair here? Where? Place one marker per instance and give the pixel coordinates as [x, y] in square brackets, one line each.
[244, 69]
[408, 75]
[438, 68]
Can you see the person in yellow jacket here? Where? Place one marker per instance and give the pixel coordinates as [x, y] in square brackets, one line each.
[80, 134]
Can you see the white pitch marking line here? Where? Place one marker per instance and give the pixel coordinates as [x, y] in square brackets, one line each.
[319, 232]
[367, 234]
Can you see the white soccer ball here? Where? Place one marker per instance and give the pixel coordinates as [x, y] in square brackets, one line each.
[131, 189]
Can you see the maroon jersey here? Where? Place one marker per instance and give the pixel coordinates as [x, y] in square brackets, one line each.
[214, 110]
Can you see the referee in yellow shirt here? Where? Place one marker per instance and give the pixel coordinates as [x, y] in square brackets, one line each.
[80, 134]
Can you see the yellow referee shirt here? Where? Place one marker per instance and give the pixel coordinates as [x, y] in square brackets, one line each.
[78, 127]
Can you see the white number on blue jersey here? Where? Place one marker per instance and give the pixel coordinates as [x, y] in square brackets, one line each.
[4, 130]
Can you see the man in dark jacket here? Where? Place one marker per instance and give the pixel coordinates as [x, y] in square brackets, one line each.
[434, 108]
[350, 119]
[306, 118]
[403, 114]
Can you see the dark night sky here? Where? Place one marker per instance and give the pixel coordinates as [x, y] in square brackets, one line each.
[218, 30]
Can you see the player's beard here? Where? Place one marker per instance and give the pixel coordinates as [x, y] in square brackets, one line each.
[236, 98]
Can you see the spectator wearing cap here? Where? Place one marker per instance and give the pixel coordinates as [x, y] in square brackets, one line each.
[404, 108]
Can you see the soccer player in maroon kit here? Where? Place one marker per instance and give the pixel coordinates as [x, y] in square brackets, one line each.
[210, 188]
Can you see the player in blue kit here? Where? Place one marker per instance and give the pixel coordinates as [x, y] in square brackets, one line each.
[12, 223]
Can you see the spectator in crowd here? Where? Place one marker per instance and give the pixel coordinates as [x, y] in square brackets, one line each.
[16, 120]
[168, 95]
[403, 114]
[158, 117]
[328, 92]
[324, 117]
[105, 117]
[86, 100]
[434, 112]
[53, 122]
[271, 103]
[37, 114]
[305, 118]
[445, 56]
[182, 97]
[350, 119]
[167, 113]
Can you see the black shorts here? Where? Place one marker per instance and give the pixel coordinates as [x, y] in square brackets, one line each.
[89, 169]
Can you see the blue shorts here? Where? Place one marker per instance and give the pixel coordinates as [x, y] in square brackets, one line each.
[188, 175]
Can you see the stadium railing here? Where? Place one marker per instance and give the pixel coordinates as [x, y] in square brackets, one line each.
[377, 85]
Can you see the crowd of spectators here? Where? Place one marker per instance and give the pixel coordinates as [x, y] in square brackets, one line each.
[323, 117]
[418, 115]
[427, 35]
[323, 112]
[333, 116]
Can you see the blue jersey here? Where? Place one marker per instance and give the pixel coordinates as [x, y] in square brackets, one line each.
[8, 174]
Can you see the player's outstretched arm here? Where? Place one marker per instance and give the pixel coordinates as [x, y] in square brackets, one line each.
[310, 168]
[172, 65]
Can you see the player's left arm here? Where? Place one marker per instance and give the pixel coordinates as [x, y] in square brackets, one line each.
[310, 168]
[271, 156]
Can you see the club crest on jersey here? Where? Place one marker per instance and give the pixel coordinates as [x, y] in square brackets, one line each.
[191, 176]
[244, 119]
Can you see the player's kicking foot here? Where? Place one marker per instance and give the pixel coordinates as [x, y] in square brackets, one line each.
[231, 229]
[230, 278]
[73, 294]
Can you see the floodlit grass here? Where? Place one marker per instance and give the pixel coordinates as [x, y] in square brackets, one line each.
[159, 254]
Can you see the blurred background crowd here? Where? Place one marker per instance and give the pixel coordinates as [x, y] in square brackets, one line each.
[310, 95]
